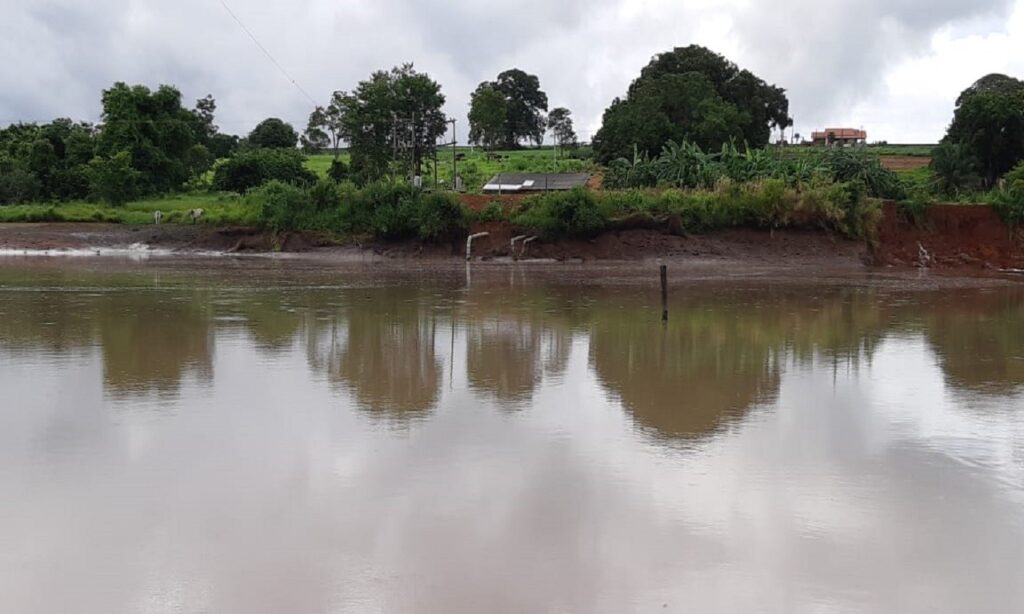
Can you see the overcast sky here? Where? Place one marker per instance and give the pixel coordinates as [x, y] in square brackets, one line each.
[894, 67]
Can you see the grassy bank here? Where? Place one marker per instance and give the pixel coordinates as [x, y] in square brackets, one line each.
[217, 208]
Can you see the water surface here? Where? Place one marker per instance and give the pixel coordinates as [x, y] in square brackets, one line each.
[256, 436]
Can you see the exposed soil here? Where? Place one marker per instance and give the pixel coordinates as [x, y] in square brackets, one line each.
[954, 237]
[951, 236]
[905, 163]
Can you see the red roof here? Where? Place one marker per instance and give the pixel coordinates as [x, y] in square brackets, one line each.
[840, 133]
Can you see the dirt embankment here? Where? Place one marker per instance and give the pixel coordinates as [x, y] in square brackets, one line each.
[950, 236]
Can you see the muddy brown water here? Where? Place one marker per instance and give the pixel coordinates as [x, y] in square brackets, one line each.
[272, 436]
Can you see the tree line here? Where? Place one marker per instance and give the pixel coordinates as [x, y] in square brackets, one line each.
[686, 100]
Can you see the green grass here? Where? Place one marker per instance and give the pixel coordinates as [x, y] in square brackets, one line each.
[902, 150]
[217, 208]
[878, 150]
[478, 166]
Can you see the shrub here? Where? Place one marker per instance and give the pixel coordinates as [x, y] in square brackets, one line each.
[564, 214]
[284, 206]
[1009, 200]
[338, 171]
[492, 212]
[252, 168]
[439, 216]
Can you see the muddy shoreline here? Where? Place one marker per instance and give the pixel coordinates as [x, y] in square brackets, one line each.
[803, 247]
[956, 238]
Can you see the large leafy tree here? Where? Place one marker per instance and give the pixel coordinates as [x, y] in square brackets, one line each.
[395, 115]
[988, 124]
[273, 133]
[158, 133]
[487, 117]
[694, 94]
[525, 105]
[49, 159]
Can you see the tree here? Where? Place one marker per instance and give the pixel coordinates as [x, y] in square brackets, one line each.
[994, 83]
[273, 133]
[487, 117]
[156, 131]
[223, 145]
[393, 116]
[989, 124]
[560, 123]
[691, 94]
[525, 104]
[254, 167]
[204, 112]
[114, 179]
[315, 138]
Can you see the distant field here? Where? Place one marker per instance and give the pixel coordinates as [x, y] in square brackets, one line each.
[902, 150]
[477, 166]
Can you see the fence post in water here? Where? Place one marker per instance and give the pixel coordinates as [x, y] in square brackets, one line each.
[469, 243]
[664, 293]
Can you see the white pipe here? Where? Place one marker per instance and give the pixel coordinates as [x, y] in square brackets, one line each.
[525, 243]
[513, 243]
[469, 243]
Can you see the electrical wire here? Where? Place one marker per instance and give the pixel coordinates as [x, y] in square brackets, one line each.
[267, 53]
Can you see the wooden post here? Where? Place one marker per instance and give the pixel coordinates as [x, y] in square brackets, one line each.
[664, 293]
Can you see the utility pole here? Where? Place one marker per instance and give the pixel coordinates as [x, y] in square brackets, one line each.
[455, 162]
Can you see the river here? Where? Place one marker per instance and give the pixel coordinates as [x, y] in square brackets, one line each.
[259, 436]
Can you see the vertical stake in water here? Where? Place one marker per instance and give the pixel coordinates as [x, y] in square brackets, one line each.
[664, 293]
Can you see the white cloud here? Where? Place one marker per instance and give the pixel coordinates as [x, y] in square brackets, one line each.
[893, 66]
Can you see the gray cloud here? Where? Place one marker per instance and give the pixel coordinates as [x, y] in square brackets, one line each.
[830, 56]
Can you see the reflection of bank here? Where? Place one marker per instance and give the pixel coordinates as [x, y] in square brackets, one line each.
[386, 355]
[508, 358]
[722, 353]
[151, 341]
[683, 380]
[514, 339]
[979, 340]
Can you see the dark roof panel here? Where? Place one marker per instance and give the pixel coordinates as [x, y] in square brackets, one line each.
[536, 182]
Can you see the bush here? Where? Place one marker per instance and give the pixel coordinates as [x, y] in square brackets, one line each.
[255, 167]
[563, 214]
[439, 216]
[492, 212]
[338, 171]
[386, 210]
[1009, 200]
[284, 206]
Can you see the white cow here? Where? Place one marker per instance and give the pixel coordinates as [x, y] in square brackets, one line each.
[195, 214]
[157, 217]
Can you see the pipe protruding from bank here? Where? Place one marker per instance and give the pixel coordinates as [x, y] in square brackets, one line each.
[469, 243]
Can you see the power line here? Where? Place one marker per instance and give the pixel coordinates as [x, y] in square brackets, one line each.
[267, 53]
